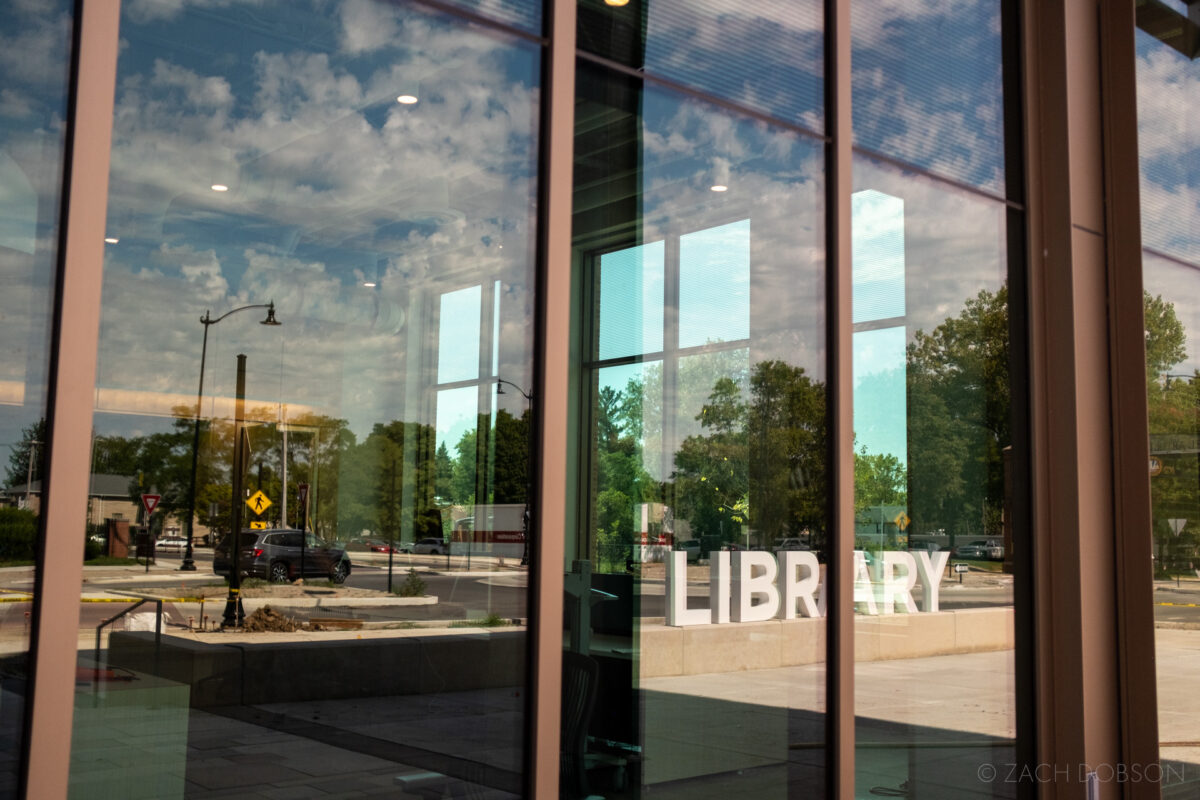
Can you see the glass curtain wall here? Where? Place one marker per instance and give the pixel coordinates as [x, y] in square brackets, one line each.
[318, 277]
[933, 569]
[35, 57]
[1168, 82]
[694, 637]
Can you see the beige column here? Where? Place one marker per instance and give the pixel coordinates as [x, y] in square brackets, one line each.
[1095, 657]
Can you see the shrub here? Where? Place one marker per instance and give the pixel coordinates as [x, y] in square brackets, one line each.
[18, 534]
[413, 585]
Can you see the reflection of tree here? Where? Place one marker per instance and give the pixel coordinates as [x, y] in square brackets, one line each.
[762, 463]
[879, 480]
[18, 457]
[958, 419]
[1173, 402]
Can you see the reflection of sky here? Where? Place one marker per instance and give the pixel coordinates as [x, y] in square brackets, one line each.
[714, 285]
[878, 255]
[333, 185]
[927, 85]
[35, 43]
[631, 301]
[878, 293]
[880, 399]
[458, 336]
[1168, 148]
[456, 415]
[761, 54]
[954, 242]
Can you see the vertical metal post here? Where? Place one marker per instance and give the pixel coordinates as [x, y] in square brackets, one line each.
[234, 615]
[75, 327]
[839, 663]
[552, 364]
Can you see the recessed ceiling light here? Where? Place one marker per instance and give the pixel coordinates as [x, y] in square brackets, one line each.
[720, 187]
[111, 239]
[407, 99]
[220, 187]
[368, 284]
[617, 3]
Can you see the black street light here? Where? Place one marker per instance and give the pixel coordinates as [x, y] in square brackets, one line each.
[526, 521]
[189, 564]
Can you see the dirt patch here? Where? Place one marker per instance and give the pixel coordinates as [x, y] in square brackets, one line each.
[268, 619]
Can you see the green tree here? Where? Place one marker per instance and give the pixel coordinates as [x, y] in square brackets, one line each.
[33, 437]
[958, 419]
[879, 480]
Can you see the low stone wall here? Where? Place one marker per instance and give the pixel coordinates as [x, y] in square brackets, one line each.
[700, 649]
[235, 673]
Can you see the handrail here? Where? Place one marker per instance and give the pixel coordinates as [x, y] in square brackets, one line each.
[157, 624]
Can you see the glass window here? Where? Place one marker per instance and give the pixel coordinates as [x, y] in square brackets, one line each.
[699, 235]
[35, 57]
[762, 55]
[927, 87]
[323, 241]
[1168, 86]
[933, 585]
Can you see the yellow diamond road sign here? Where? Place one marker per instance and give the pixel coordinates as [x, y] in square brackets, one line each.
[258, 502]
[901, 520]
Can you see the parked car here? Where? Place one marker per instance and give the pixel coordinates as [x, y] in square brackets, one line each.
[981, 549]
[276, 554]
[691, 547]
[171, 543]
[790, 543]
[433, 547]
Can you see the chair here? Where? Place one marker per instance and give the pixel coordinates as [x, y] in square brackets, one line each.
[579, 679]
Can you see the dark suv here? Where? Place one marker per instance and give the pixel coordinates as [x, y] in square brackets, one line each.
[275, 555]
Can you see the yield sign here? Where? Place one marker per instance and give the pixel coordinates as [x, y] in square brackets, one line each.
[150, 502]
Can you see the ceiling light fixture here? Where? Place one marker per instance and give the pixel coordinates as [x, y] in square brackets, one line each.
[369, 284]
[617, 3]
[220, 187]
[406, 99]
[111, 239]
[719, 187]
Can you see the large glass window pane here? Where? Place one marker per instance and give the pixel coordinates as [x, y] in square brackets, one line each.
[35, 54]
[631, 301]
[1168, 85]
[927, 79]
[704, 451]
[933, 586]
[322, 219]
[763, 55]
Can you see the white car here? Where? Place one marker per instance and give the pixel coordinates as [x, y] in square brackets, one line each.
[434, 547]
[790, 543]
[171, 543]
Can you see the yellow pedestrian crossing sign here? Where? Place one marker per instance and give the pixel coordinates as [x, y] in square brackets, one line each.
[258, 502]
[900, 519]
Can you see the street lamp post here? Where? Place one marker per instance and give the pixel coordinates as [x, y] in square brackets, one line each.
[526, 521]
[189, 564]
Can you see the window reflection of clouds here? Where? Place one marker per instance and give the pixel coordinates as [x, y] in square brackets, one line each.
[927, 79]
[332, 184]
[761, 54]
[775, 181]
[35, 41]
[1168, 148]
[954, 242]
